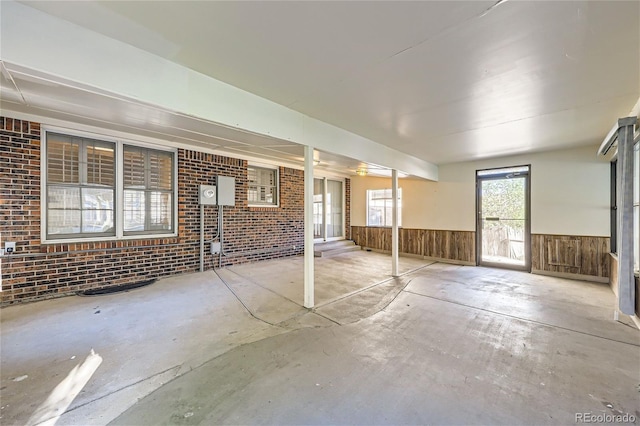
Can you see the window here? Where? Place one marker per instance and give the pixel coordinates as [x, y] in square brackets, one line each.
[263, 186]
[379, 207]
[148, 190]
[80, 187]
[106, 189]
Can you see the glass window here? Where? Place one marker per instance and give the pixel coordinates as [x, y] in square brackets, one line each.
[80, 181]
[148, 190]
[379, 208]
[80, 186]
[263, 186]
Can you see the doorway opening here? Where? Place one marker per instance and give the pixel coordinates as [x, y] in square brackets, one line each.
[503, 225]
[328, 209]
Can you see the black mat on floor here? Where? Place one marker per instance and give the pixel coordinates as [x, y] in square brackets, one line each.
[114, 289]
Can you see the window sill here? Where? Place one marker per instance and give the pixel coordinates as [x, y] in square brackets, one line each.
[259, 207]
[107, 239]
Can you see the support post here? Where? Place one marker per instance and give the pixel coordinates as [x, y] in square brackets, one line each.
[325, 227]
[395, 270]
[201, 237]
[626, 284]
[308, 228]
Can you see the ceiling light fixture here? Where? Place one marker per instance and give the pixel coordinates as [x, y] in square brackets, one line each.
[361, 172]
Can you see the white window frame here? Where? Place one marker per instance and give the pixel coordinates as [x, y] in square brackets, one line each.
[390, 199]
[81, 184]
[119, 187]
[277, 173]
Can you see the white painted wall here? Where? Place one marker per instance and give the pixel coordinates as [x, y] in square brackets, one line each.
[569, 194]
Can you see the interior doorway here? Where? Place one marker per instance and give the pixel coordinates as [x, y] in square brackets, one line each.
[503, 226]
[328, 209]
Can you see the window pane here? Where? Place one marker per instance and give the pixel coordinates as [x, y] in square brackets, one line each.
[63, 197]
[133, 167]
[376, 216]
[63, 221]
[97, 198]
[513, 170]
[134, 210]
[100, 221]
[261, 195]
[100, 163]
[160, 166]
[380, 207]
[62, 159]
[160, 209]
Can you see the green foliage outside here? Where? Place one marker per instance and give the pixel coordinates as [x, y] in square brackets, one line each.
[503, 198]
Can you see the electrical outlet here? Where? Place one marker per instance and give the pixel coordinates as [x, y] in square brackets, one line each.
[9, 247]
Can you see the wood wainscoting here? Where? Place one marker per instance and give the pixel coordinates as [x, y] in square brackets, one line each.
[455, 246]
[571, 256]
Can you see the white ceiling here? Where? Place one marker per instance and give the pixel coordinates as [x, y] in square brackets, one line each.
[441, 81]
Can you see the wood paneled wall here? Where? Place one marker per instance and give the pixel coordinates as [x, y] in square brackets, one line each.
[568, 254]
[553, 254]
[450, 245]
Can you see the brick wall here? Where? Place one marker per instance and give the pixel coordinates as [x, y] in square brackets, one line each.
[36, 271]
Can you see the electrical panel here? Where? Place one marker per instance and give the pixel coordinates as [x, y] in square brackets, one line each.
[208, 195]
[226, 187]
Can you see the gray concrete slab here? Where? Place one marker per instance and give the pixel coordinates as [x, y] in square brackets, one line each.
[443, 344]
[334, 277]
[581, 306]
[147, 335]
[421, 361]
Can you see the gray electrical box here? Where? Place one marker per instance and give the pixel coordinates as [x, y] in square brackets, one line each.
[226, 187]
[207, 195]
[215, 247]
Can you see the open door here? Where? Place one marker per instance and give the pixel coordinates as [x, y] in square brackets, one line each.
[503, 227]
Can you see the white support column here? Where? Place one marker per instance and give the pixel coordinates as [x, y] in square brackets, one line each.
[324, 209]
[394, 224]
[308, 227]
[626, 282]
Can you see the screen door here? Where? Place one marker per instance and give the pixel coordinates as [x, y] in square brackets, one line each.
[503, 228]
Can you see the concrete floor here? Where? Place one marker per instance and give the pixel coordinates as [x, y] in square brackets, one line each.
[442, 344]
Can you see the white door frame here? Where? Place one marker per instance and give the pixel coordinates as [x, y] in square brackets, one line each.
[324, 209]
